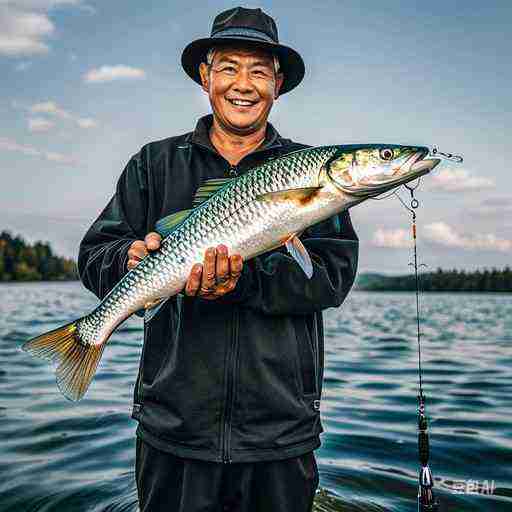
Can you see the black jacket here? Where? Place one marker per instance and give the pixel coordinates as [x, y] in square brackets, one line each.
[237, 379]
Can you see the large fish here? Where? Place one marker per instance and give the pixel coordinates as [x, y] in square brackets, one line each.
[265, 208]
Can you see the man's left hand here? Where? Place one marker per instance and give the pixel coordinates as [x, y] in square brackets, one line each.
[217, 276]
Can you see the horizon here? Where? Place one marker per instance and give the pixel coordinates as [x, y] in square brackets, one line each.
[80, 96]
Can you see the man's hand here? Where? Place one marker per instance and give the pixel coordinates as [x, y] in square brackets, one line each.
[217, 276]
[140, 248]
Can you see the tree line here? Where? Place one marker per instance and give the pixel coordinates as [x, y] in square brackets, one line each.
[21, 261]
[486, 280]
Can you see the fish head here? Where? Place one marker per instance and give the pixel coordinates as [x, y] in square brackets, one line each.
[371, 169]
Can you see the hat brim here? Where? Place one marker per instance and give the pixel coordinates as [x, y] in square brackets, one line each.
[290, 62]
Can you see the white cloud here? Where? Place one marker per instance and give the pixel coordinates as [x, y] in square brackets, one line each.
[440, 234]
[25, 26]
[443, 234]
[392, 238]
[11, 145]
[51, 108]
[59, 158]
[111, 73]
[86, 122]
[39, 124]
[456, 180]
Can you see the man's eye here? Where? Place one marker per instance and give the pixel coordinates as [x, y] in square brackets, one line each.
[229, 69]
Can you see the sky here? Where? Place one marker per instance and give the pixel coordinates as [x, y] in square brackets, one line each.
[85, 84]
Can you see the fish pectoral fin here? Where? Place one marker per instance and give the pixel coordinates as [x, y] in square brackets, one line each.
[300, 254]
[167, 224]
[152, 308]
[301, 195]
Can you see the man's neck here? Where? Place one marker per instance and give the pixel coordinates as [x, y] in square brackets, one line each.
[234, 147]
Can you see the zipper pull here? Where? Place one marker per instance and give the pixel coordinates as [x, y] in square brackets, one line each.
[233, 171]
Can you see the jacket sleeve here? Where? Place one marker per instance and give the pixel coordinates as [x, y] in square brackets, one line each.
[103, 251]
[275, 284]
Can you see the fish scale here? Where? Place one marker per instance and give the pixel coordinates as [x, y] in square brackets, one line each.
[161, 275]
[250, 214]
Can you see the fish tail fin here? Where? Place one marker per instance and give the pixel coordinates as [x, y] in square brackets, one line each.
[75, 357]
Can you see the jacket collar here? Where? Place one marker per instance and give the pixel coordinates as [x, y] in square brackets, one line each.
[201, 137]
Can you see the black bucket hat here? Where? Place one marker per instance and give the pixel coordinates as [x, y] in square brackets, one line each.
[250, 27]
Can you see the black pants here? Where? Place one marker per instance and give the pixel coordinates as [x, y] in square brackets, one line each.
[166, 483]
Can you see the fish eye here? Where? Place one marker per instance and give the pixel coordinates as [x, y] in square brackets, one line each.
[386, 154]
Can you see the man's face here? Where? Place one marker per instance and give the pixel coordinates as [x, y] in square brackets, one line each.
[242, 85]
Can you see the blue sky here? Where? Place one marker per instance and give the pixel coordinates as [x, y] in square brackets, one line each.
[86, 83]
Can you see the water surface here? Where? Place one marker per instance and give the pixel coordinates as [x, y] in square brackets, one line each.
[60, 456]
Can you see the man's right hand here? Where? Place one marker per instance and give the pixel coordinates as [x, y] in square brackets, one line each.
[141, 248]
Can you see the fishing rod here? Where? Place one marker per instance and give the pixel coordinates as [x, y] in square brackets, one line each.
[427, 502]
[426, 499]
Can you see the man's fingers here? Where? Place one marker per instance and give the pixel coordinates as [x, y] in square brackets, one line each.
[152, 241]
[217, 275]
[222, 265]
[235, 265]
[208, 277]
[131, 264]
[194, 280]
[137, 250]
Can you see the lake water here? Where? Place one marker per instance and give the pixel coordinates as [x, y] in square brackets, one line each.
[60, 456]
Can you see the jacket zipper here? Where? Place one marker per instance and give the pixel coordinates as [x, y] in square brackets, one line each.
[231, 364]
[230, 392]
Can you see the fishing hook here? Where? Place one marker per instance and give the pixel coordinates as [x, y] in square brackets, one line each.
[447, 156]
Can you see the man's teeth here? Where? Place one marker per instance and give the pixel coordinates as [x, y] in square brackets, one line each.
[242, 103]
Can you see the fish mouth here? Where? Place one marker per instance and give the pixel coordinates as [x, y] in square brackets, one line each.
[418, 164]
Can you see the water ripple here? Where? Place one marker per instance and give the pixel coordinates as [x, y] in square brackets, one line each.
[59, 456]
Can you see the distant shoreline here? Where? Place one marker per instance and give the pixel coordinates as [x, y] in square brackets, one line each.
[453, 281]
[386, 290]
[24, 262]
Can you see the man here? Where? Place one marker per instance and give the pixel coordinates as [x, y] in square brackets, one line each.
[228, 392]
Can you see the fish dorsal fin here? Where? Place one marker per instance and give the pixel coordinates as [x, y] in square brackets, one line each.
[153, 308]
[291, 194]
[167, 224]
[207, 189]
[300, 254]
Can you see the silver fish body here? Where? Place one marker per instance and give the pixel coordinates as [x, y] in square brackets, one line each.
[251, 215]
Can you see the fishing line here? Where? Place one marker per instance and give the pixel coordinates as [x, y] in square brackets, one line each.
[426, 499]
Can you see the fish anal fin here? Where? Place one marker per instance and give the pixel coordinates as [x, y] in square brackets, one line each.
[300, 254]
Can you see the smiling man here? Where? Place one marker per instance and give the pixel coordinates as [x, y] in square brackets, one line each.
[229, 385]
